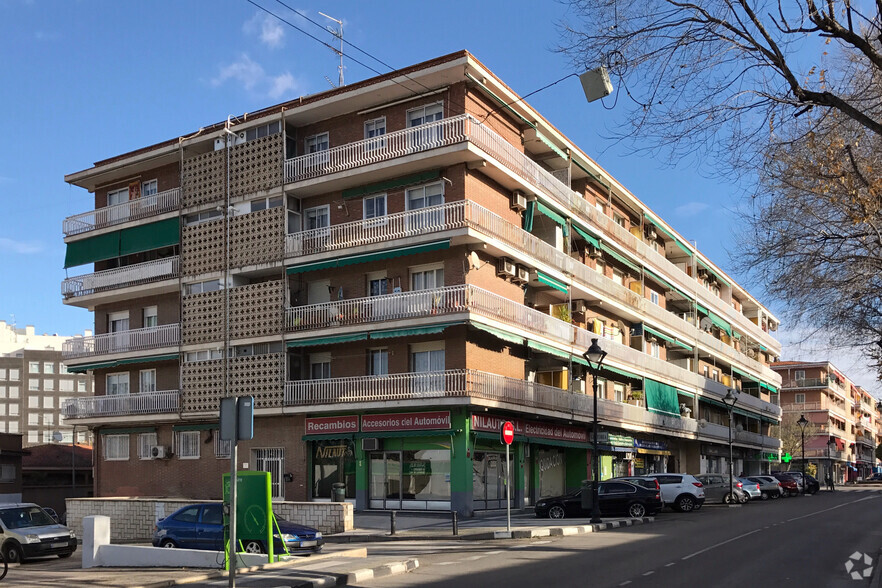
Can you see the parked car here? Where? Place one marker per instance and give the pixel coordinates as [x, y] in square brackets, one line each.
[751, 488]
[874, 479]
[647, 482]
[28, 531]
[201, 526]
[682, 491]
[716, 489]
[812, 484]
[614, 498]
[794, 475]
[770, 487]
[788, 484]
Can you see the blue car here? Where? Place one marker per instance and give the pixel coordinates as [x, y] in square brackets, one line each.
[201, 526]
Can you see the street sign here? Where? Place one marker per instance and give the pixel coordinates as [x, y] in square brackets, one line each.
[786, 458]
[507, 432]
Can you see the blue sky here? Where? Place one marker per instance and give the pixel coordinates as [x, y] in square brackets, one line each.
[87, 80]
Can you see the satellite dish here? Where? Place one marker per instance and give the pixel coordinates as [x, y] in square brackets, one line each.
[706, 324]
[57, 436]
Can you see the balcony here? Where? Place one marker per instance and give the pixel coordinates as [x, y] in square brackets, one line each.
[122, 277]
[448, 131]
[806, 383]
[122, 342]
[811, 406]
[165, 401]
[116, 214]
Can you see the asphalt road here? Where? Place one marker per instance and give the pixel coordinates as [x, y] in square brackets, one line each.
[803, 541]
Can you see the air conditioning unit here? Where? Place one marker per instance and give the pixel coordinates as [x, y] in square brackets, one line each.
[593, 252]
[370, 444]
[160, 452]
[505, 268]
[651, 234]
[219, 144]
[518, 201]
[702, 273]
[523, 274]
[580, 305]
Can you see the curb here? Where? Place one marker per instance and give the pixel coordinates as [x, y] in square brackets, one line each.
[392, 569]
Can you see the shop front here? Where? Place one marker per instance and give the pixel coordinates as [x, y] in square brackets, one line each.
[652, 457]
[616, 455]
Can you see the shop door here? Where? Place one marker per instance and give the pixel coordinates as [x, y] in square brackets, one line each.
[488, 481]
[385, 474]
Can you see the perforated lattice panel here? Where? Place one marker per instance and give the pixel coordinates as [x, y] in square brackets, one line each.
[256, 166]
[204, 178]
[202, 318]
[257, 238]
[256, 310]
[202, 385]
[202, 248]
[260, 376]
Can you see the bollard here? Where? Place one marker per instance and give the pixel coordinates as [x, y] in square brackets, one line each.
[392, 522]
[455, 524]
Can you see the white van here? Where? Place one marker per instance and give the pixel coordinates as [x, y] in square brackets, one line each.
[26, 531]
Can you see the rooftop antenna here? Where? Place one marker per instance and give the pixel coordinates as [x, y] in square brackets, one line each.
[339, 35]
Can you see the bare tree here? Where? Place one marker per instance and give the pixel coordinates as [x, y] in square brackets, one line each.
[790, 434]
[717, 77]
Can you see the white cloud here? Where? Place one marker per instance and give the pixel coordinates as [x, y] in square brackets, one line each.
[267, 28]
[253, 78]
[20, 247]
[691, 208]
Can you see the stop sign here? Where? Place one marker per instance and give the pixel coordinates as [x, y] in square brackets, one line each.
[507, 432]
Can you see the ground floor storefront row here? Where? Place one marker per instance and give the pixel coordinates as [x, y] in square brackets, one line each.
[435, 459]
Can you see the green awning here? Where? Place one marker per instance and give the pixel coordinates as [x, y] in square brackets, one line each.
[551, 145]
[715, 274]
[590, 173]
[427, 330]
[720, 323]
[499, 333]
[529, 213]
[548, 349]
[622, 372]
[666, 284]
[661, 398]
[744, 376]
[659, 334]
[736, 334]
[549, 281]
[713, 402]
[621, 259]
[771, 389]
[391, 184]
[123, 242]
[701, 309]
[769, 420]
[196, 427]
[366, 257]
[657, 224]
[685, 346]
[327, 340]
[685, 393]
[553, 216]
[590, 238]
[79, 369]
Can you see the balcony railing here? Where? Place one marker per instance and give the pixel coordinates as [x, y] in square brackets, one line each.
[165, 401]
[425, 137]
[120, 213]
[122, 341]
[806, 383]
[122, 277]
[840, 411]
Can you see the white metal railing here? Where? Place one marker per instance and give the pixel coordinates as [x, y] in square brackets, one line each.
[122, 341]
[433, 135]
[164, 401]
[120, 213]
[121, 277]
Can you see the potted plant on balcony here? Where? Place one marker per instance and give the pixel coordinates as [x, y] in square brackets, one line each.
[635, 397]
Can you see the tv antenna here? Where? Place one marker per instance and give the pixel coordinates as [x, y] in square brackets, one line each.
[339, 34]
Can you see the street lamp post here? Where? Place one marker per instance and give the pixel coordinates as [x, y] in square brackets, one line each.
[803, 422]
[595, 356]
[830, 443]
[729, 400]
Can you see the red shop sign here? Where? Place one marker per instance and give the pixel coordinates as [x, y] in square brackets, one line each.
[405, 421]
[333, 424]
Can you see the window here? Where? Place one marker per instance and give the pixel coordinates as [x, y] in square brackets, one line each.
[34, 367]
[705, 371]
[13, 374]
[48, 419]
[117, 196]
[7, 473]
[13, 425]
[2, 373]
[318, 144]
[48, 367]
[49, 385]
[146, 441]
[117, 384]
[62, 369]
[149, 188]
[81, 385]
[619, 390]
[619, 219]
[428, 136]
[263, 131]
[150, 317]
[317, 218]
[190, 515]
[65, 385]
[375, 128]
[266, 203]
[33, 436]
[2, 391]
[715, 375]
[430, 360]
[378, 362]
[377, 284]
[200, 287]
[799, 374]
[147, 381]
[188, 444]
[118, 322]
[48, 402]
[653, 297]
[33, 384]
[203, 355]
[375, 208]
[618, 277]
[223, 448]
[319, 366]
[2, 410]
[202, 217]
[425, 197]
[799, 398]
[33, 418]
[426, 279]
[13, 410]
[271, 460]
[116, 447]
[600, 266]
[33, 402]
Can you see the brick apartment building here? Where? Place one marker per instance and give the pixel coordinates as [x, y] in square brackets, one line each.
[844, 429]
[34, 383]
[396, 267]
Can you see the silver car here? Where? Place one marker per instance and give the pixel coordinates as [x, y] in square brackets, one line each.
[770, 487]
[716, 488]
[751, 488]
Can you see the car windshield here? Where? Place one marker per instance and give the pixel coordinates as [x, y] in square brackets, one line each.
[26, 516]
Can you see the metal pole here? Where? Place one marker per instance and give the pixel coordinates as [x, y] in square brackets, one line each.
[226, 285]
[595, 508]
[731, 465]
[803, 461]
[391, 522]
[73, 464]
[455, 524]
[507, 491]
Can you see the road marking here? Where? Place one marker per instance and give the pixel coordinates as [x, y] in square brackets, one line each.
[625, 583]
[691, 555]
[649, 573]
[673, 563]
[446, 563]
[833, 508]
[540, 542]
[473, 557]
[493, 552]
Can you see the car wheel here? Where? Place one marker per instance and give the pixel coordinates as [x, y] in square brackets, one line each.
[636, 510]
[12, 553]
[167, 543]
[685, 504]
[764, 495]
[556, 512]
[253, 547]
[729, 499]
[744, 499]
[65, 555]
[775, 495]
